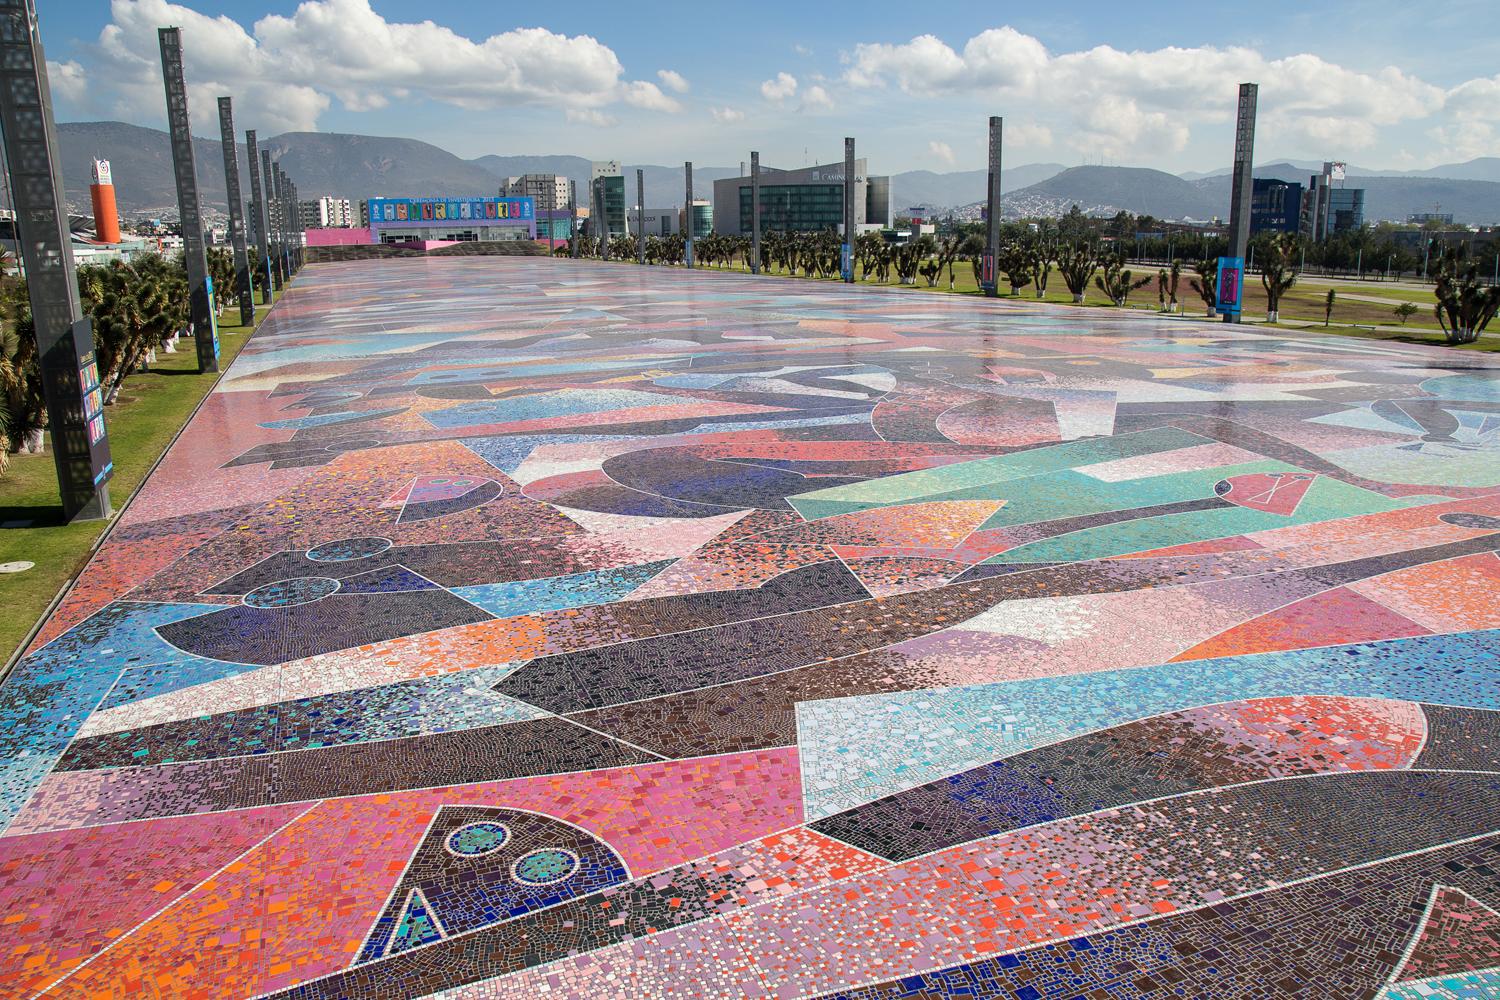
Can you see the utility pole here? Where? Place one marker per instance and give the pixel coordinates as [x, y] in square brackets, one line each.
[851, 228]
[236, 214]
[687, 237]
[64, 336]
[754, 213]
[184, 168]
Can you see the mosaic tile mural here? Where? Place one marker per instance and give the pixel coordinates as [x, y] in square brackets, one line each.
[520, 628]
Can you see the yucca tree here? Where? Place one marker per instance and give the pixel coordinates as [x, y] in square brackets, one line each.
[135, 307]
[1206, 284]
[221, 270]
[1076, 265]
[1117, 282]
[1042, 259]
[1278, 270]
[1465, 301]
[1015, 262]
[23, 411]
[1174, 279]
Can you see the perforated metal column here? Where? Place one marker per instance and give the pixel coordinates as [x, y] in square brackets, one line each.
[185, 170]
[65, 342]
[236, 213]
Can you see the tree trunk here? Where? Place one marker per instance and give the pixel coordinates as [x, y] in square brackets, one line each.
[1078, 298]
[1271, 315]
[32, 441]
[1211, 312]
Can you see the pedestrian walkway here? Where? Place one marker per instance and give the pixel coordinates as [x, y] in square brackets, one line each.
[529, 627]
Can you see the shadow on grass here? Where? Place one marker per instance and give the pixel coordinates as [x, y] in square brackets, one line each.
[38, 516]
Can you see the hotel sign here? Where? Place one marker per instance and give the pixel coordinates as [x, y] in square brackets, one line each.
[385, 212]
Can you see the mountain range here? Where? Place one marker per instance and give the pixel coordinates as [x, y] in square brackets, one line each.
[359, 166]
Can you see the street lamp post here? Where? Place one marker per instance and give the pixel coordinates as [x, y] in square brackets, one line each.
[754, 213]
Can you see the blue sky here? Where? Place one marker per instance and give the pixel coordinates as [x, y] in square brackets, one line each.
[1376, 83]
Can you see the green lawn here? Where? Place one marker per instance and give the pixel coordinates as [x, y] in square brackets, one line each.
[150, 410]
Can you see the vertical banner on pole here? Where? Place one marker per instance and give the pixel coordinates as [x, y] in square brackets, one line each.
[242, 286]
[988, 276]
[640, 217]
[200, 288]
[754, 213]
[1239, 198]
[687, 214]
[851, 228]
[65, 340]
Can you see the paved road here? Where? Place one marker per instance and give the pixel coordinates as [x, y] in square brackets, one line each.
[525, 627]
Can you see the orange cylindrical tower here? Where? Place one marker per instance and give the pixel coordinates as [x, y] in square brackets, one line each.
[106, 215]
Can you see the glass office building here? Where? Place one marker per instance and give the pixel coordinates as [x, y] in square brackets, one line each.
[806, 200]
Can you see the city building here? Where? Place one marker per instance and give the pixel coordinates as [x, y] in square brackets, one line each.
[1424, 218]
[703, 218]
[458, 220]
[612, 212]
[326, 213]
[549, 192]
[656, 221]
[807, 200]
[1275, 206]
[1327, 210]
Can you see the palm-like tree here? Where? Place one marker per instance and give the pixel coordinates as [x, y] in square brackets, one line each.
[1206, 284]
[1076, 265]
[1278, 270]
[1117, 282]
[1465, 301]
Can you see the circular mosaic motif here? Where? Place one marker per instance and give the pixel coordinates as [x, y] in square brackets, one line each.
[552, 864]
[478, 838]
[346, 549]
[290, 593]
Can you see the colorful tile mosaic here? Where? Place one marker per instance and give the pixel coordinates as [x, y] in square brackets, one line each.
[576, 630]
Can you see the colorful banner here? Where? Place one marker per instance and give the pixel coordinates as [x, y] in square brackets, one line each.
[1231, 283]
[389, 212]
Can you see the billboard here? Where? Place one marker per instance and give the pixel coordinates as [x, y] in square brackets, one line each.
[387, 212]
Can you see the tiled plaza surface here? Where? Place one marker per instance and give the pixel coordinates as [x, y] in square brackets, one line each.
[520, 628]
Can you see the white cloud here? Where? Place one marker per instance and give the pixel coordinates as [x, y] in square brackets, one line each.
[672, 80]
[726, 114]
[802, 50]
[1476, 99]
[587, 116]
[1028, 134]
[641, 94]
[815, 98]
[779, 89]
[1146, 101]
[290, 68]
[941, 150]
[67, 80]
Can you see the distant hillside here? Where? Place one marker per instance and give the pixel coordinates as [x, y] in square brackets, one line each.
[1392, 198]
[1106, 190]
[360, 166]
[961, 187]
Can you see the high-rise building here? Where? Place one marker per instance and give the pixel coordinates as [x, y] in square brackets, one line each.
[326, 213]
[1326, 209]
[703, 218]
[1275, 206]
[548, 191]
[806, 200]
[106, 212]
[613, 209]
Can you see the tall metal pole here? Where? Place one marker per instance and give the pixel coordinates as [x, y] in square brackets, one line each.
[602, 219]
[687, 215]
[754, 213]
[989, 274]
[279, 187]
[640, 206]
[259, 214]
[273, 249]
[184, 167]
[297, 231]
[851, 228]
[1242, 188]
[236, 213]
[65, 339]
[573, 219]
